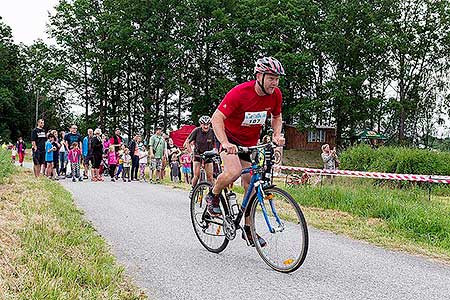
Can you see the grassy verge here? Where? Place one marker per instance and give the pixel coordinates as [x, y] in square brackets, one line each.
[402, 219]
[6, 167]
[302, 158]
[47, 249]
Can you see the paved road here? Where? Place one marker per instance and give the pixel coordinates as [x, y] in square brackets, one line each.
[149, 229]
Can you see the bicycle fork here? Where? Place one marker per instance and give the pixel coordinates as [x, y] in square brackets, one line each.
[262, 196]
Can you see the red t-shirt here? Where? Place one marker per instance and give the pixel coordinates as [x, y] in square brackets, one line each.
[246, 112]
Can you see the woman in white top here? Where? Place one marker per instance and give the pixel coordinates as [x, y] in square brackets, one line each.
[143, 159]
[329, 157]
[62, 157]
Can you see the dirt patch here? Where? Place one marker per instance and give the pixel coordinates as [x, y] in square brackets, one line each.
[331, 214]
[374, 222]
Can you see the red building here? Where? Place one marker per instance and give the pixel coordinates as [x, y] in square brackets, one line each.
[309, 139]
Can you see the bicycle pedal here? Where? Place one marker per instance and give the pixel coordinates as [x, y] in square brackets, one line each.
[245, 238]
[209, 217]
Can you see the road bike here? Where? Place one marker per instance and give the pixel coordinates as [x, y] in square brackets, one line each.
[270, 211]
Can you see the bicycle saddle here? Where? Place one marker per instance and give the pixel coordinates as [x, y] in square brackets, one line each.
[209, 154]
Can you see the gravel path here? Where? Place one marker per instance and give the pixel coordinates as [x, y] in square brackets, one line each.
[149, 229]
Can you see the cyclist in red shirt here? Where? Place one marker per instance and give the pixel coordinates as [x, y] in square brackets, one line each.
[238, 121]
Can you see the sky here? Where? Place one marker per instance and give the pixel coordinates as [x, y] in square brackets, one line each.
[27, 18]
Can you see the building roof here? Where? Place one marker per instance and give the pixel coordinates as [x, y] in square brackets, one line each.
[370, 134]
[316, 126]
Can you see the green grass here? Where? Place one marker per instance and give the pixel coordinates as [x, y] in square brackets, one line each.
[57, 254]
[406, 213]
[301, 158]
[6, 167]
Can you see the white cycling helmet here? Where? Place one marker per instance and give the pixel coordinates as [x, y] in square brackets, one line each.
[269, 65]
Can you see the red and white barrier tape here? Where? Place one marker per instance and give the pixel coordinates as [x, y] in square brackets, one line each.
[374, 175]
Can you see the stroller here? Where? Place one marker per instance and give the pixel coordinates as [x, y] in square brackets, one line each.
[103, 170]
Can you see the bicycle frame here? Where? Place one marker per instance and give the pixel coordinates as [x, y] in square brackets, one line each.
[215, 231]
[255, 185]
[203, 161]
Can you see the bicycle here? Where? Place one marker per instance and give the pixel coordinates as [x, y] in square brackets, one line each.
[204, 160]
[278, 219]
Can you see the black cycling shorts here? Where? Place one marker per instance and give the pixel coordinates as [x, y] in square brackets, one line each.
[198, 158]
[38, 157]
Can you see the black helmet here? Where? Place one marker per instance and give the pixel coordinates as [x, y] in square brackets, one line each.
[204, 120]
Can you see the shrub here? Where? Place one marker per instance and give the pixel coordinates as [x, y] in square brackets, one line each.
[396, 160]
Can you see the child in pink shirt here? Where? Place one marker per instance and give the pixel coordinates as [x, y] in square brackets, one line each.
[112, 161]
[185, 160]
[74, 159]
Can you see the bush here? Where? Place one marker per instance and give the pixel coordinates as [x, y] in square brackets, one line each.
[396, 160]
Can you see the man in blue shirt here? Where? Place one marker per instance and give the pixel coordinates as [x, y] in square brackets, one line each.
[87, 152]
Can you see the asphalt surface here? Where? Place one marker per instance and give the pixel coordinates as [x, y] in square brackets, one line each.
[149, 229]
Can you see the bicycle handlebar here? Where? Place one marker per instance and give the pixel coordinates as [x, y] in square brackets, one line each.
[250, 149]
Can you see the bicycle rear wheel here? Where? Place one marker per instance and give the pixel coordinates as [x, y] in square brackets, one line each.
[287, 247]
[210, 233]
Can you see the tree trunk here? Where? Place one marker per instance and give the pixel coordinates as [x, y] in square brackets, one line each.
[130, 129]
[166, 110]
[103, 102]
[86, 93]
[402, 116]
[179, 108]
[157, 106]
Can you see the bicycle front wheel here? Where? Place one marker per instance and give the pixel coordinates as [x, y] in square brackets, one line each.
[210, 232]
[287, 245]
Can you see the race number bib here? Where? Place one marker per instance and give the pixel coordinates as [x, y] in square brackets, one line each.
[254, 118]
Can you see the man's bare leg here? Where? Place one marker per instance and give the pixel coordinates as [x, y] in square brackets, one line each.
[37, 170]
[196, 170]
[231, 171]
[209, 172]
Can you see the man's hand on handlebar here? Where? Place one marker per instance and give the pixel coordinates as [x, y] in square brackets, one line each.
[278, 140]
[229, 148]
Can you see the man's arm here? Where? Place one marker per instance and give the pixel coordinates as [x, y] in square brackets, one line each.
[150, 148]
[33, 140]
[66, 143]
[218, 126]
[188, 145]
[277, 125]
[80, 141]
[190, 140]
[165, 151]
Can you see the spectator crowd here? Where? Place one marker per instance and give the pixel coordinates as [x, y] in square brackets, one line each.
[61, 155]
